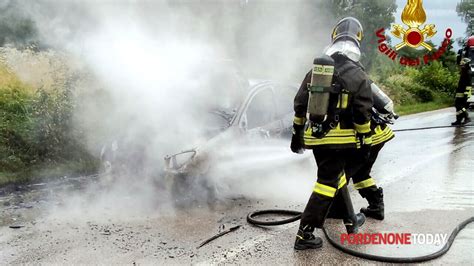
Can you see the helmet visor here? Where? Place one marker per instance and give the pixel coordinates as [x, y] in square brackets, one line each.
[348, 28]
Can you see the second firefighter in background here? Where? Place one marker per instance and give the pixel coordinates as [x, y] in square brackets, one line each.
[463, 92]
[382, 115]
[363, 181]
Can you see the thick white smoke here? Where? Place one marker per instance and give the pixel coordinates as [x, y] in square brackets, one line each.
[155, 62]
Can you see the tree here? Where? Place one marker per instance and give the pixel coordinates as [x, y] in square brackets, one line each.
[415, 53]
[372, 14]
[15, 28]
[465, 9]
[448, 59]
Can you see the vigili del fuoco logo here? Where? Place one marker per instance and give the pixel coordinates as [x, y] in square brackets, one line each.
[413, 35]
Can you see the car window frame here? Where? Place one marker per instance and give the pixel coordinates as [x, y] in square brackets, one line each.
[257, 88]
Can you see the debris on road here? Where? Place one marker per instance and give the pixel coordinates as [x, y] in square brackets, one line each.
[219, 235]
[16, 226]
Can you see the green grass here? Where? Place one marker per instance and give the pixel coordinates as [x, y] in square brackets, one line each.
[423, 107]
[48, 171]
[6, 178]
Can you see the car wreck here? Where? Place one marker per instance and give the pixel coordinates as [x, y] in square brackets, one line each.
[264, 113]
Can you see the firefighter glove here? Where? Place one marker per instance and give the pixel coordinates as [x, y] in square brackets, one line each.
[297, 139]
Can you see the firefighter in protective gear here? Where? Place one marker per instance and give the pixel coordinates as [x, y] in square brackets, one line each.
[346, 133]
[381, 133]
[382, 115]
[463, 93]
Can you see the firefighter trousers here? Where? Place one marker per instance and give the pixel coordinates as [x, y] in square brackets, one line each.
[331, 178]
[360, 172]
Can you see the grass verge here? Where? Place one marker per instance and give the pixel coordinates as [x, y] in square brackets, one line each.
[40, 172]
[423, 107]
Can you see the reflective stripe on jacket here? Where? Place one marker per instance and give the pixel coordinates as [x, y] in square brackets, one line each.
[382, 134]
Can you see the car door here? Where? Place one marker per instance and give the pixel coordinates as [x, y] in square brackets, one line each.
[284, 95]
[259, 118]
[260, 150]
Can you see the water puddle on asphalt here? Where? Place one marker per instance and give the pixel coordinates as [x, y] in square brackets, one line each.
[455, 189]
[432, 169]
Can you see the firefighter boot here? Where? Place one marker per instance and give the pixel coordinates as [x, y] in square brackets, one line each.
[459, 117]
[466, 118]
[312, 217]
[374, 196]
[306, 240]
[352, 221]
[458, 121]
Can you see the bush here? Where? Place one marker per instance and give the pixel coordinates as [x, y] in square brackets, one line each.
[15, 27]
[418, 85]
[15, 99]
[435, 82]
[400, 88]
[36, 126]
[438, 78]
[424, 95]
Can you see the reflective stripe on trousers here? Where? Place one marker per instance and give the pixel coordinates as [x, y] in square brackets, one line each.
[461, 111]
[328, 190]
[364, 184]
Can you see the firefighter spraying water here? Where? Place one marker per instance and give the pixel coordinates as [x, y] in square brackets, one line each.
[337, 128]
[382, 115]
[343, 117]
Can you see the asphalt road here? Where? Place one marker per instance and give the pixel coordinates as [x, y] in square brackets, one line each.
[427, 178]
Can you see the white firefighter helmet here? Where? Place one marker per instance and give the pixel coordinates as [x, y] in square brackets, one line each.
[348, 28]
[346, 37]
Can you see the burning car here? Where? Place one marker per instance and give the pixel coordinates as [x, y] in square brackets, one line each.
[232, 117]
[265, 113]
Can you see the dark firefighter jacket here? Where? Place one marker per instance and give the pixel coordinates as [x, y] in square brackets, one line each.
[464, 86]
[354, 107]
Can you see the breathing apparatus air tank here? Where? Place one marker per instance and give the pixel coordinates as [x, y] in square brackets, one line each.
[382, 111]
[319, 88]
[382, 102]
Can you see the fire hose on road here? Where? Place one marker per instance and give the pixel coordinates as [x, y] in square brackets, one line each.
[296, 215]
[427, 128]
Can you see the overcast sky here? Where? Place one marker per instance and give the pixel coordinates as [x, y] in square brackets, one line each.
[442, 13]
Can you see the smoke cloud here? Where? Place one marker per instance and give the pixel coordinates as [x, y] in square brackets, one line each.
[159, 67]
